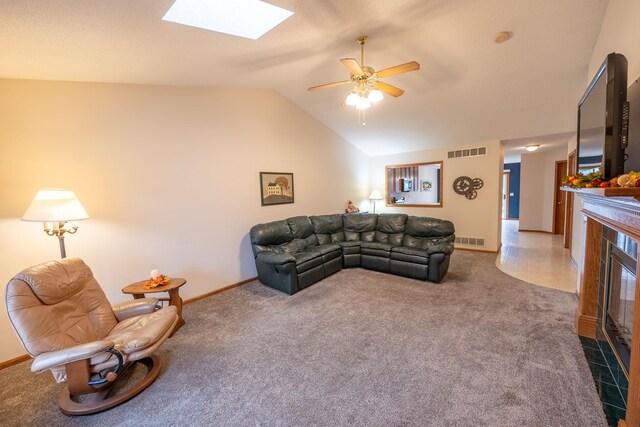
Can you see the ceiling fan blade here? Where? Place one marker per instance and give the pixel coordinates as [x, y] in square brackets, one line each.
[399, 69]
[391, 90]
[352, 65]
[328, 85]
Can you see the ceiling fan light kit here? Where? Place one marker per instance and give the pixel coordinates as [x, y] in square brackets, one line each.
[367, 89]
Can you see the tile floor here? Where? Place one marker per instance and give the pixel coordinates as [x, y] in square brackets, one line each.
[537, 258]
[613, 402]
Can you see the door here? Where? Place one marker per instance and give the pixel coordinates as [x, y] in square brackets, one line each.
[571, 165]
[505, 195]
[559, 198]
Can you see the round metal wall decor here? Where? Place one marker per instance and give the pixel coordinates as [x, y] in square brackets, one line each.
[467, 187]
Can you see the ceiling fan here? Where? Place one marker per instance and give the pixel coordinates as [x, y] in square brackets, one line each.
[367, 88]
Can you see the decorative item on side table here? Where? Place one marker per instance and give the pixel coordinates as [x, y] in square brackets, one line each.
[375, 196]
[160, 283]
[351, 208]
[467, 187]
[276, 188]
[55, 209]
[156, 279]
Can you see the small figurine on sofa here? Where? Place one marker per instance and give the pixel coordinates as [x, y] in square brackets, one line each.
[351, 208]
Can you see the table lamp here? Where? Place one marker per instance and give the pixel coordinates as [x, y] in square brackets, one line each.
[55, 209]
[375, 195]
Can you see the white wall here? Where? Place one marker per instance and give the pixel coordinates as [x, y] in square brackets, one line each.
[537, 188]
[169, 176]
[472, 218]
[619, 33]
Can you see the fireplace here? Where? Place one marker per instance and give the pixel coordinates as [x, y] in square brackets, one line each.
[609, 296]
[617, 294]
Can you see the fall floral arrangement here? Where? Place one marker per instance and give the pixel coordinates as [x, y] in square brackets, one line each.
[594, 180]
[156, 280]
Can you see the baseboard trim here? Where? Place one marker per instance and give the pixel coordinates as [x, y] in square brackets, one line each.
[217, 291]
[574, 263]
[586, 325]
[14, 361]
[535, 231]
[24, 357]
[487, 251]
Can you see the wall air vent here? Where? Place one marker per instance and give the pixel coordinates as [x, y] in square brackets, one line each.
[467, 152]
[470, 241]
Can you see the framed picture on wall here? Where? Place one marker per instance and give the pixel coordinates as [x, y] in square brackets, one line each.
[276, 188]
[425, 185]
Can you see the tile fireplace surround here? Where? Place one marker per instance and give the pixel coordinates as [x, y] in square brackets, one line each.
[614, 214]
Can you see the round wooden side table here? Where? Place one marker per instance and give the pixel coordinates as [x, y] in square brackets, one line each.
[172, 288]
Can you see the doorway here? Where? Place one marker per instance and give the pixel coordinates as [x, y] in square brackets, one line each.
[505, 194]
[571, 165]
[559, 198]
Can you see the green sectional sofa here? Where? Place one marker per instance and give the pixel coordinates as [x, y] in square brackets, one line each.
[294, 253]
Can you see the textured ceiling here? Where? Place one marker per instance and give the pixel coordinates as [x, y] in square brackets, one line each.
[468, 90]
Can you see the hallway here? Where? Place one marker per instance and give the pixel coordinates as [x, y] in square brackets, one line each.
[537, 258]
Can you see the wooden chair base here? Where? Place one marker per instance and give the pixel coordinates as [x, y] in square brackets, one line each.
[100, 400]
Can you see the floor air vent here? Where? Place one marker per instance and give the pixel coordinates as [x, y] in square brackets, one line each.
[467, 152]
[471, 241]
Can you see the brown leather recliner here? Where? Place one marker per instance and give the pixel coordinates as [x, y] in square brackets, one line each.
[65, 322]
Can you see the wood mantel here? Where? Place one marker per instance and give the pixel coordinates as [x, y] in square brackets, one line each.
[617, 208]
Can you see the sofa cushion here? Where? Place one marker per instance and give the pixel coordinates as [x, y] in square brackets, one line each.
[326, 248]
[428, 227]
[392, 239]
[307, 260]
[300, 226]
[391, 223]
[376, 245]
[360, 222]
[263, 236]
[403, 253]
[271, 233]
[426, 242]
[312, 240]
[376, 249]
[292, 247]
[348, 247]
[328, 228]
[366, 236]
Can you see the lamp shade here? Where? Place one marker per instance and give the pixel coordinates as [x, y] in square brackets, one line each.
[375, 195]
[55, 205]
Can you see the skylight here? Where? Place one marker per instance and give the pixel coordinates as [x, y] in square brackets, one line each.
[245, 18]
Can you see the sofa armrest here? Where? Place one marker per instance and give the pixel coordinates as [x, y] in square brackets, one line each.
[442, 248]
[52, 359]
[273, 258]
[136, 307]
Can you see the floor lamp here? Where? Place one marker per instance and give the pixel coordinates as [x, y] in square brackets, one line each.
[57, 210]
[375, 195]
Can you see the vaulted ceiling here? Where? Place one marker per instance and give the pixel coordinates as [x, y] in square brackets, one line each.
[468, 90]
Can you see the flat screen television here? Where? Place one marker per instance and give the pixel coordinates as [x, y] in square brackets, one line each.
[603, 115]
[632, 158]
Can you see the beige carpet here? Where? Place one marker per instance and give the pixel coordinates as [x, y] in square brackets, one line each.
[359, 348]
